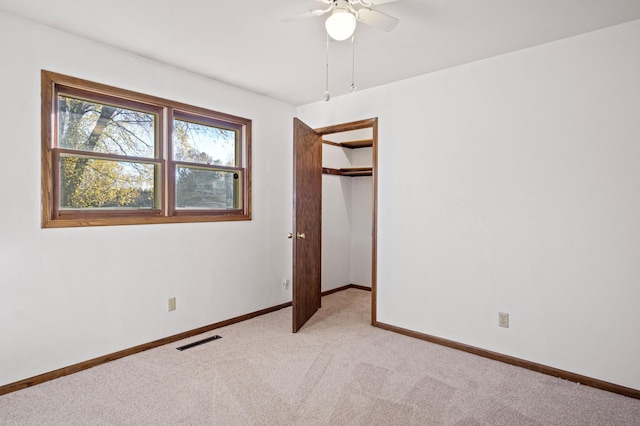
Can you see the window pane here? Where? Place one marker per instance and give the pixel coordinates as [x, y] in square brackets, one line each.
[87, 183]
[90, 126]
[207, 189]
[199, 143]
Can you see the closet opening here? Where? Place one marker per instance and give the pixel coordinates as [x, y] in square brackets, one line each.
[348, 211]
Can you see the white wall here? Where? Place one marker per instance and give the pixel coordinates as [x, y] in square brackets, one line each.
[511, 184]
[361, 229]
[69, 295]
[336, 231]
[362, 226]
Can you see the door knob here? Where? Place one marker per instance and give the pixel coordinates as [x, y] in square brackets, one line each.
[300, 236]
[289, 235]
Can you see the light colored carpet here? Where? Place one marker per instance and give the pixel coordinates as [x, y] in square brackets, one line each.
[338, 370]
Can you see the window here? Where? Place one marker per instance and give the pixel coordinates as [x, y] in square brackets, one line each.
[115, 157]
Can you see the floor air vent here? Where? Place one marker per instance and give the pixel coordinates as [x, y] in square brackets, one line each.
[199, 342]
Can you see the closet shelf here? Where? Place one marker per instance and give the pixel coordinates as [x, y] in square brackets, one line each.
[351, 171]
[364, 143]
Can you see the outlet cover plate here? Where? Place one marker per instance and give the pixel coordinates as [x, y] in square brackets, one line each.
[503, 319]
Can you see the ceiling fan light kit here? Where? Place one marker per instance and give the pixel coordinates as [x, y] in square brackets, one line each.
[341, 24]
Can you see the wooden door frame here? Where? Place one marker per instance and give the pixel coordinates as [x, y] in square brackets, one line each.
[358, 125]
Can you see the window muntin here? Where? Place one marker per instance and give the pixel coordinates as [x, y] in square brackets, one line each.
[112, 156]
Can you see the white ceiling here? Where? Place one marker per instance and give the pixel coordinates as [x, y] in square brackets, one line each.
[244, 42]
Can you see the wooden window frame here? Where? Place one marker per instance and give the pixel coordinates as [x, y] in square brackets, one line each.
[165, 111]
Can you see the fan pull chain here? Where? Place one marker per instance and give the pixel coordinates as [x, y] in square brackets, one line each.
[327, 95]
[353, 63]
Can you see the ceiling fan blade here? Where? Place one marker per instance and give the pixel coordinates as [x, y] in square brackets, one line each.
[377, 19]
[309, 14]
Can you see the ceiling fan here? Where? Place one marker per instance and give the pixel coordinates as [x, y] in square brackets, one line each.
[341, 23]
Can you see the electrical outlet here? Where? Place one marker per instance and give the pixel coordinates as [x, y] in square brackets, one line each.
[503, 319]
[285, 284]
[172, 304]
